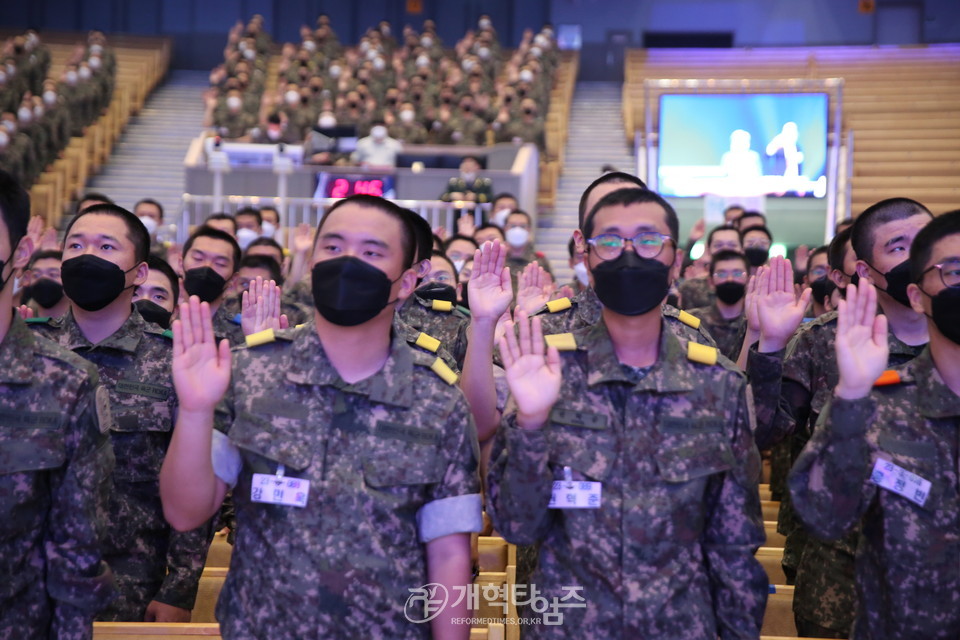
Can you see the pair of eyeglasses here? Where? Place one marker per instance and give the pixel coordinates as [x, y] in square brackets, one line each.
[441, 276]
[817, 272]
[949, 272]
[647, 244]
[731, 274]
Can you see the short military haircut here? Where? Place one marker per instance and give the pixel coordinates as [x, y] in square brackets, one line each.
[263, 262]
[613, 176]
[727, 254]
[270, 208]
[921, 251]
[449, 241]
[267, 242]
[440, 254]
[204, 231]
[93, 195]
[423, 233]
[222, 216]
[490, 225]
[876, 215]
[47, 254]
[838, 249]
[521, 212]
[762, 230]
[249, 211]
[502, 196]
[816, 252]
[14, 207]
[136, 232]
[156, 263]
[720, 229]
[150, 201]
[409, 234]
[627, 197]
[751, 214]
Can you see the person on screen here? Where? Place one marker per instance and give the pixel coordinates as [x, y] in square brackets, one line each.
[741, 162]
[786, 151]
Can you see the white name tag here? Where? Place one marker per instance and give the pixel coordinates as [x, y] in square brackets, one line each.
[900, 481]
[275, 489]
[579, 494]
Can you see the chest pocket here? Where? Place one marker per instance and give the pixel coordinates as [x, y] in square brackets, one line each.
[140, 435]
[26, 450]
[916, 457]
[403, 455]
[693, 448]
[264, 449]
[582, 441]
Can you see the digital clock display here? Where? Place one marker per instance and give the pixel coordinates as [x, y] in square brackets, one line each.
[330, 185]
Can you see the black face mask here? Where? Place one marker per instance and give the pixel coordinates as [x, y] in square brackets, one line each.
[204, 282]
[897, 280]
[46, 292]
[347, 291]
[152, 312]
[822, 289]
[92, 283]
[631, 285]
[946, 313]
[437, 291]
[731, 292]
[756, 256]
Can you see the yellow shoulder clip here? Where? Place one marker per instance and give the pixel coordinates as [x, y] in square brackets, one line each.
[427, 342]
[442, 305]
[446, 374]
[260, 337]
[689, 319]
[560, 304]
[701, 353]
[562, 341]
[887, 378]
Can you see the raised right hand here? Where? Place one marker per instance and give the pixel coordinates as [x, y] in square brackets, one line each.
[201, 368]
[490, 291]
[533, 371]
[861, 342]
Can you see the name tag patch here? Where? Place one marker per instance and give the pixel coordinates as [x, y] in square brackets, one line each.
[276, 489]
[575, 494]
[137, 388]
[895, 478]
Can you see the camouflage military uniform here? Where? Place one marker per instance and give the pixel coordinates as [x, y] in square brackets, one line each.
[728, 333]
[447, 326]
[696, 292]
[825, 594]
[149, 559]
[392, 463]
[669, 553]
[55, 462]
[908, 561]
[518, 264]
[585, 311]
[482, 188]
[234, 125]
[226, 325]
[295, 312]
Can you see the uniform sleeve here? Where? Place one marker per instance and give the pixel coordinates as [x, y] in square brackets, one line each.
[455, 505]
[78, 581]
[186, 555]
[519, 482]
[733, 533]
[829, 483]
[765, 371]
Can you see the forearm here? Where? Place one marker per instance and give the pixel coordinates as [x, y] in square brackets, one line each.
[188, 486]
[448, 563]
[477, 380]
[298, 268]
[749, 339]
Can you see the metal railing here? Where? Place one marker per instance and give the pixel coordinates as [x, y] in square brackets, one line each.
[195, 209]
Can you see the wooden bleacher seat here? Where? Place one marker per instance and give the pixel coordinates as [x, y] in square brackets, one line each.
[219, 553]
[778, 617]
[211, 582]
[771, 558]
[493, 631]
[771, 509]
[765, 492]
[774, 539]
[495, 553]
[153, 631]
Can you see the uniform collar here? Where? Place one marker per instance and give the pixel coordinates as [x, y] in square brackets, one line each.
[935, 398]
[126, 338]
[309, 365]
[670, 373]
[16, 353]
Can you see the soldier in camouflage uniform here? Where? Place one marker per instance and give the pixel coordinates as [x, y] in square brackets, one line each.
[883, 457]
[825, 600]
[210, 261]
[468, 185]
[374, 427]
[55, 464]
[665, 548]
[157, 569]
[725, 319]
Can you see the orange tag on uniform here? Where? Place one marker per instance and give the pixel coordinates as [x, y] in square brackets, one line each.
[887, 378]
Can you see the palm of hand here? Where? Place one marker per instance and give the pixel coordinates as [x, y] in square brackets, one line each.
[488, 297]
[534, 385]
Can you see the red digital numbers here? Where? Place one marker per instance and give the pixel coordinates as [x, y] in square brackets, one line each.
[369, 187]
[343, 187]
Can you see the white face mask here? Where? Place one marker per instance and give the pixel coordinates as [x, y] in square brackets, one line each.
[378, 132]
[426, 42]
[526, 75]
[96, 48]
[580, 272]
[407, 116]
[234, 103]
[483, 52]
[310, 45]
[71, 77]
[245, 237]
[423, 61]
[269, 230]
[38, 111]
[517, 237]
[484, 24]
[327, 122]
[149, 223]
[292, 97]
[334, 71]
[50, 97]
[84, 73]
[500, 217]
[94, 62]
[10, 126]
[25, 115]
[468, 177]
[273, 134]
[379, 64]
[4, 139]
[249, 54]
